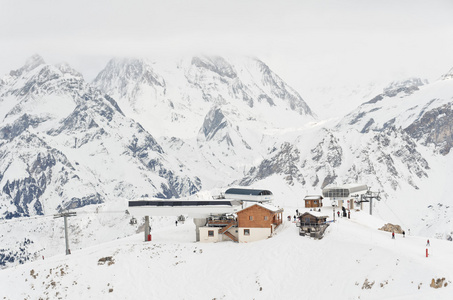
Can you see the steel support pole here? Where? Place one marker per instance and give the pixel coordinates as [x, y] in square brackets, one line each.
[66, 234]
[146, 228]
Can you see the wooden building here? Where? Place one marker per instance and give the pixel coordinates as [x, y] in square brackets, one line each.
[313, 218]
[258, 222]
[312, 223]
[313, 201]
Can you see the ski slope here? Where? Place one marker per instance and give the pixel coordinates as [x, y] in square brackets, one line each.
[286, 266]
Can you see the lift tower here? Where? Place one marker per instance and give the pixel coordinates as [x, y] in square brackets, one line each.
[65, 215]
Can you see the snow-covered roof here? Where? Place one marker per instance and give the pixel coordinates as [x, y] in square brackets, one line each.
[270, 207]
[316, 214]
[313, 197]
[266, 206]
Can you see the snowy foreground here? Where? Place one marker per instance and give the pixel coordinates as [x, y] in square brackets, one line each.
[353, 261]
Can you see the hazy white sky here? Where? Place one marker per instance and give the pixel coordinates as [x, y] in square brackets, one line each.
[307, 42]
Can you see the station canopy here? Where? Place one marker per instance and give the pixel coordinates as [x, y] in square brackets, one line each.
[344, 191]
[250, 192]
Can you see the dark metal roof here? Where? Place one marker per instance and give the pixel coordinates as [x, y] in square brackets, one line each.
[249, 192]
[177, 203]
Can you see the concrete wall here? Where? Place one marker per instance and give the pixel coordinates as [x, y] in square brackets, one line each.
[205, 238]
[256, 234]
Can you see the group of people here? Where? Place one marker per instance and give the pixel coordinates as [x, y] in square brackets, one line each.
[344, 214]
[404, 235]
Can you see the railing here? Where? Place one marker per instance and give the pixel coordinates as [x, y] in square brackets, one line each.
[224, 229]
[277, 222]
[221, 222]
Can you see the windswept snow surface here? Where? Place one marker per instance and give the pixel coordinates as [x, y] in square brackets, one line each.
[353, 261]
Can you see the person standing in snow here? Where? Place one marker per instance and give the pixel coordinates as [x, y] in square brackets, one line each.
[427, 243]
[393, 235]
[404, 234]
[338, 213]
[176, 222]
[297, 212]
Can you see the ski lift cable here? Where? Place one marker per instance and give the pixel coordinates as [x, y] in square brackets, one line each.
[399, 219]
[26, 219]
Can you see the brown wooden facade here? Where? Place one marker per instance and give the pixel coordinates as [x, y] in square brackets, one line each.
[313, 201]
[308, 218]
[257, 216]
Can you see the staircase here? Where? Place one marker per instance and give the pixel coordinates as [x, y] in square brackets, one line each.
[232, 237]
[229, 225]
[224, 230]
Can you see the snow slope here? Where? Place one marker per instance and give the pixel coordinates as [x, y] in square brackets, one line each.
[353, 261]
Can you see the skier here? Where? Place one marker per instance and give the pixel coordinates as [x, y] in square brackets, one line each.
[338, 213]
[297, 212]
[393, 235]
[176, 222]
[404, 234]
[427, 243]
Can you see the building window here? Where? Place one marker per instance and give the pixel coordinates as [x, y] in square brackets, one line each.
[210, 232]
[251, 218]
[246, 231]
[265, 218]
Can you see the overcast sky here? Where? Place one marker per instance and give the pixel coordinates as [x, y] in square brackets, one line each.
[306, 42]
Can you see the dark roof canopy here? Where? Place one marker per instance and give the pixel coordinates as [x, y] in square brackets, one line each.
[249, 192]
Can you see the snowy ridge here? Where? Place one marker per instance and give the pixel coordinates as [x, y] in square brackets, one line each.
[353, 261]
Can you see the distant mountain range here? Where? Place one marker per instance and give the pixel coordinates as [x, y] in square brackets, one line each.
[173, 128]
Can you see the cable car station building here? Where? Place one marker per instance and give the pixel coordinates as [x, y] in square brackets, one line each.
[344, 192]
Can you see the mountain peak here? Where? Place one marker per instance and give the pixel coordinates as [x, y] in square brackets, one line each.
[215, 64]
[30, 64]
[119, 72]
[33, 62]
[67, 69]
[407, 86]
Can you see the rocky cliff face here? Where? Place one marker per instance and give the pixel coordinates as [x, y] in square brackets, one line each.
[435, 127]
[59, 139]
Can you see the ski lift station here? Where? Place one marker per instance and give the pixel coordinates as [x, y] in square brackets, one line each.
[249, 195]
[338, 194]
[233, 201]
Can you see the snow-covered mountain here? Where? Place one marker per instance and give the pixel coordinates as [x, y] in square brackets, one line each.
[214, 111]
[169, 128]
[65, 144]
[172, 98]
[398, 142]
